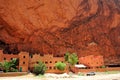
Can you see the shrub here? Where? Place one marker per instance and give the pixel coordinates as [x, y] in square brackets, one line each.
[9, 66]
[103, 67]
[39, 68]
[14, 62]
[13, 70]
[5, 66]
[80, 74]
[60, 66]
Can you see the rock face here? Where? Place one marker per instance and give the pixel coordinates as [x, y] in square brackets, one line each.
[56, 26]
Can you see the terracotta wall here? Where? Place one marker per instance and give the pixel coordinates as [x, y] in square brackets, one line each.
[48, 59]
[99, 69]
[7, 57]
[26, 61]
[22, 56]
[1, 54]
[23, 61]
[92, 61]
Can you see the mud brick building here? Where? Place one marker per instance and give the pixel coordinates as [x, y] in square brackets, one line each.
[27, 61]
[92, 61]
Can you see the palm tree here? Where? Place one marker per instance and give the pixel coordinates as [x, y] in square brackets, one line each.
[71, 59]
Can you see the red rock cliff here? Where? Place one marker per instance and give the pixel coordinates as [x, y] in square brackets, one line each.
[56, 26]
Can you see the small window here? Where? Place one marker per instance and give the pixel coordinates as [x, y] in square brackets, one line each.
[54, 67]
[58, 56]
[46, 62]
[55, 61]
[23, 56]
[37, 62]
[50, 67]
[50, 61]
[23, 62]
[4, 58]
[31, 55]
[11, 59]
[41, 54]
[77, 62]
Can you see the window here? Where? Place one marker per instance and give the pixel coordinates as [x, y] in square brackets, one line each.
[54, 67]
[23, 56]
[55, 61]
[31, 55]
[58, 56]
[46, 62]
[37, 62]
[50, 61]
[77, 62]
[23, 62]
[4, 58]
[11, 58]
[50, 67]
[41, 54]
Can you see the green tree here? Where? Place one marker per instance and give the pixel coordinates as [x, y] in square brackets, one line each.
[73, 59]
[39, 68]
[60, 66]
[67, 56]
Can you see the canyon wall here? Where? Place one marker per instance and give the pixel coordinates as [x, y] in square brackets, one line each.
[56, 26]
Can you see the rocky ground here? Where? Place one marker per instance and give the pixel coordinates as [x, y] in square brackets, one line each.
[98, 76]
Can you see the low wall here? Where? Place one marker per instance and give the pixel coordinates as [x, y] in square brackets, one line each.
[12, 74]
[99, 69]
[56, 71]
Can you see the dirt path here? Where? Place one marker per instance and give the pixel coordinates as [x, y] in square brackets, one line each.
[97, 77]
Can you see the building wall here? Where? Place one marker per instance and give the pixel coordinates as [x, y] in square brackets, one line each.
[1, 54]
[48, 59]
[23, 61]
[92, 61]
[7, 57]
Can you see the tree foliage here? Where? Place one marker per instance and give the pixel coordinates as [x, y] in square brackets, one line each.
[71, 58]
[67, 56]
[60, 66]
[9, 66]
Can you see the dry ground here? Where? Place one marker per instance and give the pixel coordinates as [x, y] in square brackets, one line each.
[99, 76]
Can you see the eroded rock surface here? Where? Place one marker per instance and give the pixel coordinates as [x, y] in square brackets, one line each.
[57, 26]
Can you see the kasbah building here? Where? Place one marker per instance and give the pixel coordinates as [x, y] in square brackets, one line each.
[27, 62]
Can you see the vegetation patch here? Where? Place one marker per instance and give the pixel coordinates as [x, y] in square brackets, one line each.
[39, 68]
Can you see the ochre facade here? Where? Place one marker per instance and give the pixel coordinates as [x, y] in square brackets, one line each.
[92, 61]
[27, 61]
[48, 59]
